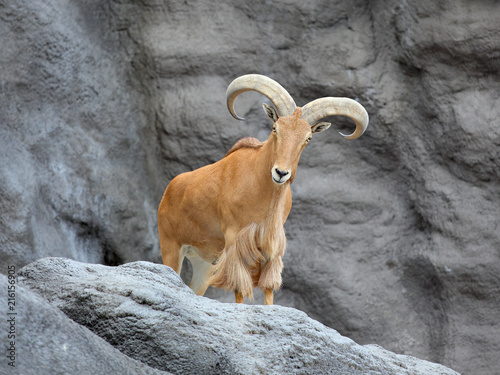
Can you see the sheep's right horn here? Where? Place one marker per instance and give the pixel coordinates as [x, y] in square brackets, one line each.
[284, 103]
[320, 108]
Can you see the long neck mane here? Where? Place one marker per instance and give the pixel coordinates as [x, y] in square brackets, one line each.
[270, 238]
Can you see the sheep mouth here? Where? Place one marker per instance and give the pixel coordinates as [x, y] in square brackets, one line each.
[280, 181]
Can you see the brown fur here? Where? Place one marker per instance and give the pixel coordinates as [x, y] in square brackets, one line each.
[249, 142]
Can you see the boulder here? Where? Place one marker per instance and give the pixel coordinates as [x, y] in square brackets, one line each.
[43, 341]
[148, 313]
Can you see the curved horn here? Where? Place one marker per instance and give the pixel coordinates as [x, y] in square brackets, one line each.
[284, 103]
[320, 108]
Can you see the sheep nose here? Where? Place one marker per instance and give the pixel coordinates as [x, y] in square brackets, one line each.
[281, 173]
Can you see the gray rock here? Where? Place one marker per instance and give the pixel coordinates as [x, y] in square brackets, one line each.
[73, 171]
[43, 341]
[148, 313]
[392, 238]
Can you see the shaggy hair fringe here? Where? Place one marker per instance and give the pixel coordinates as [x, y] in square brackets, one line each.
[253, 260]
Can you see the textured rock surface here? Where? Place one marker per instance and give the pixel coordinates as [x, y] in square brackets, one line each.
[75, 178]
[148, 313]
[393, 238]
[46, 342]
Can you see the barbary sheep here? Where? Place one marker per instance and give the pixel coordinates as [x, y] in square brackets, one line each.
[227, 218]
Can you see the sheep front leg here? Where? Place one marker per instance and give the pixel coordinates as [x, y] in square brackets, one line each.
[240, 254]
[268, 297]
[238, 296]
[270, 279]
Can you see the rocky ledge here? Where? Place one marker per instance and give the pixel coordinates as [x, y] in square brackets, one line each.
[158, 324]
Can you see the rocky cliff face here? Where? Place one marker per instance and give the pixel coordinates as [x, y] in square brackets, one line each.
[392, 238]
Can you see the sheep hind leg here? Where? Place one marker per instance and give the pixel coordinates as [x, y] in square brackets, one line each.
[201, 274]
[171, 253]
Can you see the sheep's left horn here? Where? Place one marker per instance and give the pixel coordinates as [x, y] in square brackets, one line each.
[320, 108]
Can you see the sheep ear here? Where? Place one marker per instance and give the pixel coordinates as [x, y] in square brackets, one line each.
[270, 112]
[320, 126]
